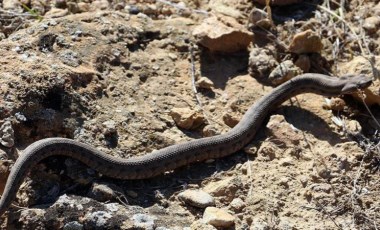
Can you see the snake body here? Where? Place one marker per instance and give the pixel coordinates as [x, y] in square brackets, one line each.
[180, 154]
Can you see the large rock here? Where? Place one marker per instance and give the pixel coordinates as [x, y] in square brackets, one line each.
[223, 34]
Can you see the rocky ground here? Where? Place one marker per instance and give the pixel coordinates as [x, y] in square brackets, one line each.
[130, 77]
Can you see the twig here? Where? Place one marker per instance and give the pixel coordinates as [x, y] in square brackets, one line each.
[345, 22]
[193, 84]
[328, 214]
[362, 96]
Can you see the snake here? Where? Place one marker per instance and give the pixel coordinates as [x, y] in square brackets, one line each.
[174, 156]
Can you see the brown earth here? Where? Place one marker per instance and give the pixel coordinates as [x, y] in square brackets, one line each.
[112, 74]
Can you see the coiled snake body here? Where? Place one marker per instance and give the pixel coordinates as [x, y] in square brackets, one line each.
[180, 154]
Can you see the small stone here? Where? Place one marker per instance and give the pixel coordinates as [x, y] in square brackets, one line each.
[353, 127]
[237, 204]
[104, 191]
[173, 56]
[306, 42]
[261, 62]
[30, 216]
[99, 5]
[372, 24]
[56, 13]
[287, 161]
[230, 120]
[209, 131]
[283, 72]
[200, 225]
[268, 151]
[187, 118]
[132, 194]
[197, 198]
[225, 189]
[336, 104]
[83, 7]
[218, 217]
[284, 181]
[10, 4]
[259, 224]
[7, 134]
[251, 149]
[144, 221]
[73, 225]
[282, 131]
[97, 220]
[205, 83]
[304, 180]
[224, 8]
[109, 127]
[259, 18]
[72, 7]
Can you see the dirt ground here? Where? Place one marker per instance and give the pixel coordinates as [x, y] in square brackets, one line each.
[118, 74]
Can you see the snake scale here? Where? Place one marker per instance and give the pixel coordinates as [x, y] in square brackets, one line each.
[180, 154]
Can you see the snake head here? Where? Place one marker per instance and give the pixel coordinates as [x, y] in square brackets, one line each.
[353, 83]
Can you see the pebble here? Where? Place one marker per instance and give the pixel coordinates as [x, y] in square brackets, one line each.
[237, 204]
[56, 13]
[200, 225]
[132, 194]
[144, 221]
[70, 58]
[197, 198]
[335, 104]
[283, 132]
[224, 188]
[258, 17]
[304, 180]
[29, 216]
[83, 7]
[104, 191]
[7, 134]
[230, 120]
[99, 5]
[261, 62]
[204, 83]
[353, 127]
[218, 217]
[283, 72]
[10, 4]
[97, 220]
[209, 131]
[372, 24]
[306, 42]
[187, 118]
[109, 127]
[73, 225]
